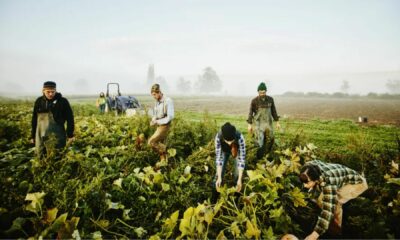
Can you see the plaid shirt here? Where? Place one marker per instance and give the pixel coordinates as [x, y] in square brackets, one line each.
[241, 156]
[333, 177]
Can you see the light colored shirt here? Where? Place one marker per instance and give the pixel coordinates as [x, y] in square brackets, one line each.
[163, 111]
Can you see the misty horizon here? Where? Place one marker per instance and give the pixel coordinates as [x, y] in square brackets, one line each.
[246, 85]
[298, 46]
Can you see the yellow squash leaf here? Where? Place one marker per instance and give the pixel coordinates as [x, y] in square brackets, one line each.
[235, 230]
[118, 182]
[298, 197]
[165, 187]
[51, 215]
[254, 175]
[251, 230]
[208, 216]
[221, 236]
[37, 200]
[170, 223]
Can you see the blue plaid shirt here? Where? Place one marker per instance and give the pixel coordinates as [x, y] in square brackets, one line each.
[241, 163]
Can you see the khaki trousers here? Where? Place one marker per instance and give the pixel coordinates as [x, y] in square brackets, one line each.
[344, 194]
[157, 141]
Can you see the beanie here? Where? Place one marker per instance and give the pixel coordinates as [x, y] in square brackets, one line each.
[262, 87]
[228, 131]
[49, 84]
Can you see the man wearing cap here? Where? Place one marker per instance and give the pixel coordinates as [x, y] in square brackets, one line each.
[229, 141]
[50, 112]
[163, 113]
[262, 114]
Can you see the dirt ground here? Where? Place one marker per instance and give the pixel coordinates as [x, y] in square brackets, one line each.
[377, 111]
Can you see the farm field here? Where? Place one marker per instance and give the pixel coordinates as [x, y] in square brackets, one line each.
[106, 183]
[378, 111]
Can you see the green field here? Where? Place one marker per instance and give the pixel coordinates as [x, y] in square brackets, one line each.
[106, 183]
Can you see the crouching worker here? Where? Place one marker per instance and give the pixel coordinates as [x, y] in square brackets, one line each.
[228, 142]
[163, 113]
[50, 112]
[337, 184]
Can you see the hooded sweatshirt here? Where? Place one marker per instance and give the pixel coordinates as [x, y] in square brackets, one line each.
[59, 107]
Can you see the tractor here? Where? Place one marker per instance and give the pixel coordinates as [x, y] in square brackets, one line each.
[119, 104]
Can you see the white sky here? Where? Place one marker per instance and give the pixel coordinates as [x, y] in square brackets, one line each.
[294, 45]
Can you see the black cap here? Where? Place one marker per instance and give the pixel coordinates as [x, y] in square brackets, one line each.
[228, 131]
[49, 84]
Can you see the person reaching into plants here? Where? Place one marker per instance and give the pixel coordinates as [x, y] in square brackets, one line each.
[228, 141]
[163, 113]
[337, 184]
[101, 103]
[262, 114]
[50, 112]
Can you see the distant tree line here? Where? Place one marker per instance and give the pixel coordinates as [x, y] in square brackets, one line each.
[341, 95]
[207, 82]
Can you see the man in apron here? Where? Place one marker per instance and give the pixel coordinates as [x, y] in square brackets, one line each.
[163, 113]
[50, 112]
[262, 114]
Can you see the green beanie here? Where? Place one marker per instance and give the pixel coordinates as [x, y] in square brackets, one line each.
[262, 87]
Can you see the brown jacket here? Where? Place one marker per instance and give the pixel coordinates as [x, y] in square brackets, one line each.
[257, 103]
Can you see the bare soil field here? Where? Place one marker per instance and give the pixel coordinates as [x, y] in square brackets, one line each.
[378, 111]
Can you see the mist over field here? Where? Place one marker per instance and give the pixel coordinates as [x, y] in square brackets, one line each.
[299, 46]
[232, 85]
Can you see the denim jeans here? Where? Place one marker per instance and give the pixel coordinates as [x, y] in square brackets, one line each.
[225, 158]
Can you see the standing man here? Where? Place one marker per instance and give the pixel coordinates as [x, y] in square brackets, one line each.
[50, 113]
[262, 114]
[337, 184]
[228, 142]
[163, 113]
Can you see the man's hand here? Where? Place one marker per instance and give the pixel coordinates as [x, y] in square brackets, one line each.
[153, 121]
[218, 184]
[250, 128]
[239, 185]
[313, 236]
[32, 140]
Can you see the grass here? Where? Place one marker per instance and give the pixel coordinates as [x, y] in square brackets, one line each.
[327, 135]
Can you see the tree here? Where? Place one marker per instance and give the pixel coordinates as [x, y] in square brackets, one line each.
[393, 86]
[183, 85]
[345, 86]
[209, 81]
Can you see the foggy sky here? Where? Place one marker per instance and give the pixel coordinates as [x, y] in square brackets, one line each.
[300, 45]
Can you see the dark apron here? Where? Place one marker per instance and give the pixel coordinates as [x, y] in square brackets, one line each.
[263, 125]
[49, 134]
